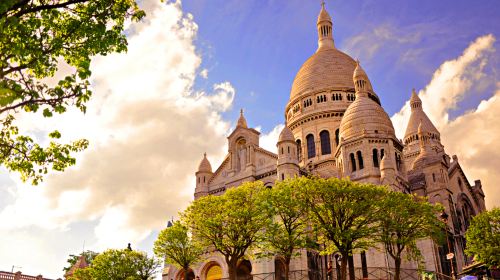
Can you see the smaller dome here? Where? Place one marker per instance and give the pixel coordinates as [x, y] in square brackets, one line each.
[364, 115]
[242, 122]
[286, 135]
[205, 165]
[323, 14]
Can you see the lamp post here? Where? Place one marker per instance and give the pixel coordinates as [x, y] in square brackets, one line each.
[450, 255]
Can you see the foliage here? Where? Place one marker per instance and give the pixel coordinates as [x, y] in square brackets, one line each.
[231, 223]
[89, 257]
[174, 244]
[483, 238]
[36, 37]
[343, 212]
[289, 230]
[403, 221]
[123, 264]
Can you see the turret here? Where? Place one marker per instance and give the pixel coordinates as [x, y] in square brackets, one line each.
[387, 171]
[288, 163]
[203, 175]
[362, 84]
[324, 25]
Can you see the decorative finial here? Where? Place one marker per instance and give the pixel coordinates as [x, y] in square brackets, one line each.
[323, 4]
[413, 91]
[241, 112]
[205, 154]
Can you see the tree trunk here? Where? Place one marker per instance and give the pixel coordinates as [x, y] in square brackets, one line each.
[287, 268]
[186, 269]
[232, 267]
[351, 268]
[397, 266]
[343, 266]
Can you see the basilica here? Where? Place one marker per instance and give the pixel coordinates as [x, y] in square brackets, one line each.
[335, 126]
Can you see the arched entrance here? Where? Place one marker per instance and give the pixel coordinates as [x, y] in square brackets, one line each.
[214, 272]
[244, 270]
[190, 275]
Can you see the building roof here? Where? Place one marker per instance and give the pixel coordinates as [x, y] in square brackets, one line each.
[328, 67]
[242, 122]
[4, 275]
[286, 135]
[418, 116]
[80, 263]
[205, 165]
[364, 115]
[323, 14]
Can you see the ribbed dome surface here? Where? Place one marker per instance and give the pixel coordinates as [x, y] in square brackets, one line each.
[365, 115]
[324, 69]
[286, 135]
[205, 165]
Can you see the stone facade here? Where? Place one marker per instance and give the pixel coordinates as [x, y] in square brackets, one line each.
[336, 127]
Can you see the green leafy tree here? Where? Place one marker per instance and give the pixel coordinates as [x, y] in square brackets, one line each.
[122, 264]
[344, 214]
[231, 223]
[404, 220]
[89, 257]
[289, 231]
[175, 245]
[35, 36]
[483, 238]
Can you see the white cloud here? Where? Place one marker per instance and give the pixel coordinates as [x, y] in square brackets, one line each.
[473, 136]
[148, 130]
[450, 83]
[204, 73]
[268, 141]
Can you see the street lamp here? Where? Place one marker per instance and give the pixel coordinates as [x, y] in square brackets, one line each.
[450, 255]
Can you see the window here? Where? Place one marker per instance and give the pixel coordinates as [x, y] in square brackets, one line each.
[288, 149]
[460, 184]
[299, 149]
[360, 160]
[433, 177]
[320, 98]
[281, 150]
[381, 153]
[311, 148]
[282, 176]
[375, 158]
[353, 162]
[203, 179]
[337, 96]
[337, 136]
[351, 97]
[307, 102]
[324, 136]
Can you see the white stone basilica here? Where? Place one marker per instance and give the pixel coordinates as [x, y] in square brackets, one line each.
[336, 127]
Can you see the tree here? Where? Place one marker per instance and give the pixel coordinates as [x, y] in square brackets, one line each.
[175, 245]
[344, 214]
[35, 37]
[231, 223]
[89, 257]
[404, 220]
[483, 238]
[122, 264]
[289, 230]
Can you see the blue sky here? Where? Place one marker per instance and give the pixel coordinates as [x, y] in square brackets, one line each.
[177, 92]
[260, 45]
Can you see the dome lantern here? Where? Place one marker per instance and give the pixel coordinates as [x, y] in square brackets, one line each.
[324, 25]
[205, 165]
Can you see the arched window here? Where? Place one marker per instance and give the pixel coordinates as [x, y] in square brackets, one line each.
[353, 162]
[204, 179]
[460, 185]
[360, 160]
[324, 136]
[381, 153]
[337, 136]
[281, 150]
[288, 149]
[375, 158]
[299, 149]
[311, 148]
[282, 176]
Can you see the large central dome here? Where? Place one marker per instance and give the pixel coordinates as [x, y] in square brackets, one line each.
[327, 68]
